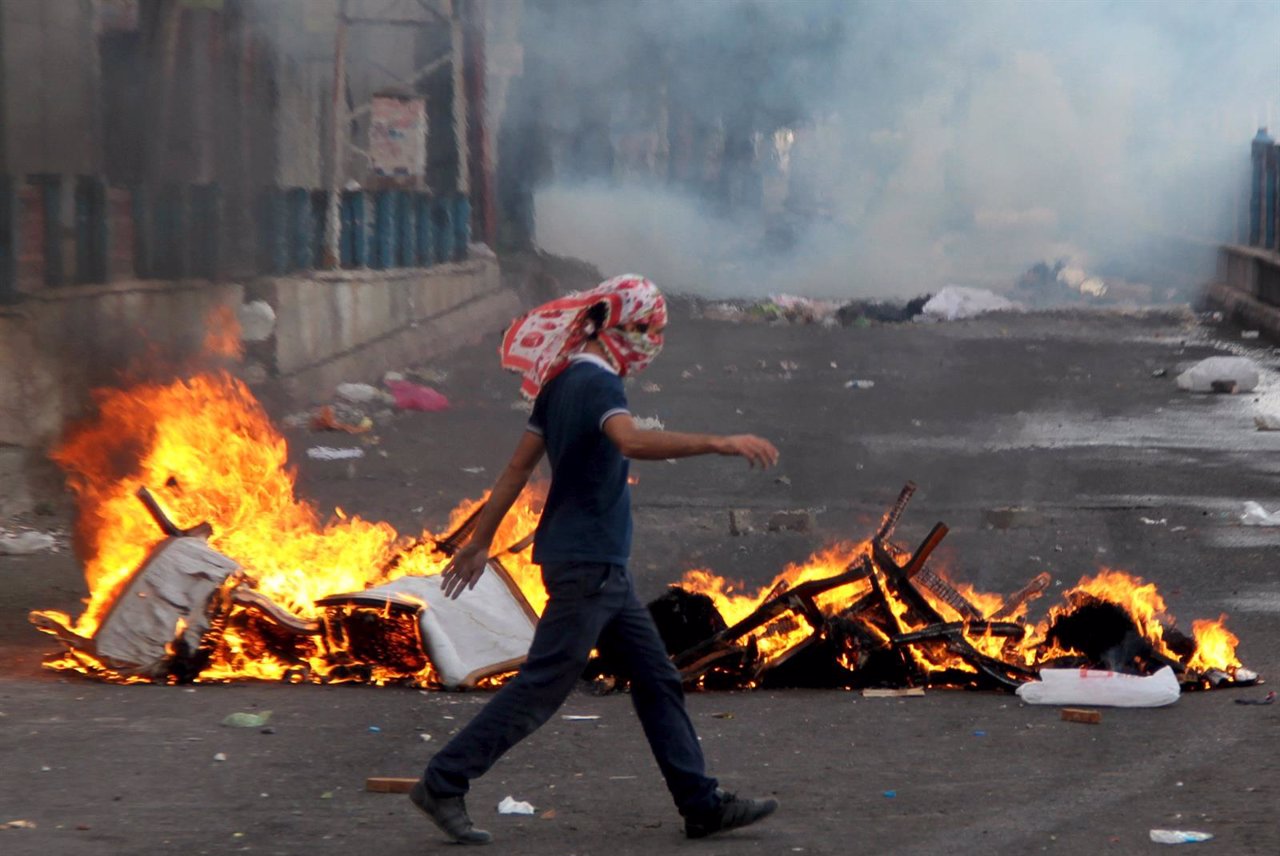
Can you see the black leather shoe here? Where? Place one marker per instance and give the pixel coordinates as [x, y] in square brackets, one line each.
[450, 814]
[732, 813]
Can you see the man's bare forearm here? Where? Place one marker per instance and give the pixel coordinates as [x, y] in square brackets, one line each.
[661, 445]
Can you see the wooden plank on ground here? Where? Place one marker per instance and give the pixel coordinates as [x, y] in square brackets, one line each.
[388, 785]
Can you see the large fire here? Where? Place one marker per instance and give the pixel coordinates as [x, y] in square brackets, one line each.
[207, 451]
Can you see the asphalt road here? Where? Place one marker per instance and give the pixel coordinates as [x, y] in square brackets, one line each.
[1055, 413]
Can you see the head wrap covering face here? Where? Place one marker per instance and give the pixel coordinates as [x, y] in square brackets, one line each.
[540, 343]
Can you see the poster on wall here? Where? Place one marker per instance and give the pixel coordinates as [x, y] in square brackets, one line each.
[398, 138]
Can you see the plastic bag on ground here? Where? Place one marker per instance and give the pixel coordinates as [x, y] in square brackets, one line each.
[1103, 688]
[26, 543]
[1256, 515]
[510, 805]
[412, 396]
[1179, 836]
[1201, 377]
[954, 302]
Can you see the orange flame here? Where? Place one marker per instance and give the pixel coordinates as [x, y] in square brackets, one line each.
[208, 452]
[222, 334]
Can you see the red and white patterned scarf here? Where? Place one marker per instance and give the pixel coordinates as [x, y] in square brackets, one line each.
[539, 343]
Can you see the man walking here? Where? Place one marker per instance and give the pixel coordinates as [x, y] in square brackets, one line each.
[573, 353]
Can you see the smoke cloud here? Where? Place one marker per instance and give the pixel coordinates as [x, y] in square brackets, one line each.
[922, 143]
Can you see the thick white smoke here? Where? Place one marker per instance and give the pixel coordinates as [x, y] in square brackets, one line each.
[951, 142]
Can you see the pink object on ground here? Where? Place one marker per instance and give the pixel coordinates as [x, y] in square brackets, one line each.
[411, 396]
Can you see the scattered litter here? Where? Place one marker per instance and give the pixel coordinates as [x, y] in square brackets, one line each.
[955, 302]
[257, 320]
[389, 785]
[740, 522]
[1101, 687]
[1163, 521]
[649, 423]
[267, 730]
[1217, 374]
[859, 384]
[327, 795]
[247, 720]
[686, 374]
[475, 471]
[1179, 836]
[373, 729]
[1160, 373]
[510, 805]
[621, 778]
[905, 692]
[411, 396]
[326, 419]
[803, 310]
[1178, 529]
[1267, 421]
[1249, 334]
[548, 814]
[221, 756]
[1256, 515]
[650, 386]
[579, 717]
[425, 738]
[863, 313]
[392, 377]
[979, 734]
[26, 543]
[890, 794]
[1080, 714]
[359, 393]
[18, 824]
[522, 405]
[789, 366]
[783, 480]
[725, 715]
[1269, 698]
[329, 453]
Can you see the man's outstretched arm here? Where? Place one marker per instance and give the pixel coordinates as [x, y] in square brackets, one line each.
[469, 562]
[641, 445]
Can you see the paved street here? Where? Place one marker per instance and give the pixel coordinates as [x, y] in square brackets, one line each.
[1057, 413]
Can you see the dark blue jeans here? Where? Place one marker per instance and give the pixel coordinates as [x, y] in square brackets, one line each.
[590, 605]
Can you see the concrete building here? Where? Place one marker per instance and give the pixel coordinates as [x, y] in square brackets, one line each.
[160, 159]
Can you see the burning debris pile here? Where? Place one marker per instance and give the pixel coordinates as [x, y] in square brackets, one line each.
[202, 565]
[887, 620]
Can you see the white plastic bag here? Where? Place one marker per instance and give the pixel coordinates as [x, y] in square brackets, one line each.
[955, 301]
[26, 543]
[1256, 515]
[1201, 377]
[1094, 686]
[510, 805]
[1179, 836]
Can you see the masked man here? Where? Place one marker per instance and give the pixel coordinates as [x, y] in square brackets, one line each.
[573, 354]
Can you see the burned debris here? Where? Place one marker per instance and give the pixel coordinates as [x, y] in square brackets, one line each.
[905, 625]
[883, 618]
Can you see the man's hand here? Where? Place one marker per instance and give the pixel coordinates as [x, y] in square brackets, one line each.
[464, 570]
[757, 450]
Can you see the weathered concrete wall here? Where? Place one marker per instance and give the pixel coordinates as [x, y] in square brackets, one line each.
[349, 326]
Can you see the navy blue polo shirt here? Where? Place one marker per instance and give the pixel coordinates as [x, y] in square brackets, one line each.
[587, 517]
